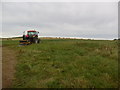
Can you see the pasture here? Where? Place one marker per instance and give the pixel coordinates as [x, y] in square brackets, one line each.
[65, 63]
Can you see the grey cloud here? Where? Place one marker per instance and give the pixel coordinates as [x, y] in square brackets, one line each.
[62, 19]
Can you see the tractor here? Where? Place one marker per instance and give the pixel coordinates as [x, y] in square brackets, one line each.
[29, 37]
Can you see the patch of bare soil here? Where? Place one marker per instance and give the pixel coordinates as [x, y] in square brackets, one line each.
[0, 67]
[8, 66]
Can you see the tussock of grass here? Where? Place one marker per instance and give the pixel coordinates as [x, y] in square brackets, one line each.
[60, 63]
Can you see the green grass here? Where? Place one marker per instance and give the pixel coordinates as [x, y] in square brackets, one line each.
[65, 63]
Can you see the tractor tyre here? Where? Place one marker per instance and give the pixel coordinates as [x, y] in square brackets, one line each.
[23, 37]
[39, 40]
[36, 41]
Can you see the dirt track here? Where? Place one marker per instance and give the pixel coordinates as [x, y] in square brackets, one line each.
[8, 67]
[0, 67]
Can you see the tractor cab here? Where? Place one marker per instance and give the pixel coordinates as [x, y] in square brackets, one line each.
[29, 37]
[30, 34]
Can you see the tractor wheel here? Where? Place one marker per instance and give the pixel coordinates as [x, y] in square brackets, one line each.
[23, 37]
[36, 41]
[39, 40]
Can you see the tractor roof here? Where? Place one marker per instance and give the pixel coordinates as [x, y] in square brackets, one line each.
[31, 31]
[25, 32]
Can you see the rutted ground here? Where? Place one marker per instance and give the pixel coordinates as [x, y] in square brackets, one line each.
[0, 66]
[8, 66]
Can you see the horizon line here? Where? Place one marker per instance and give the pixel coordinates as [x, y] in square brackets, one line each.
[64, 37]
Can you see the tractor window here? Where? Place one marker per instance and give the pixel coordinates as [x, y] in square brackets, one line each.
[32, 33]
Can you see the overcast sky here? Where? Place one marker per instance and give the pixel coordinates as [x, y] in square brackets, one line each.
[68, 19]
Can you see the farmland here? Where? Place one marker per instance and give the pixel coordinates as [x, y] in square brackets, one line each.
[65, 63]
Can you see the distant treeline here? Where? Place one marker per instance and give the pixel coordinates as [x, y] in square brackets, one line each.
[117, 39]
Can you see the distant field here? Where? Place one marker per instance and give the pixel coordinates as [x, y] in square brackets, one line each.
[66, 63]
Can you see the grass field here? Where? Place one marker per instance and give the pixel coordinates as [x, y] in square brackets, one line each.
[65, 63]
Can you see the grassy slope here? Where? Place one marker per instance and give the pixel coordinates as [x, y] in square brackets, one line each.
[66, 63]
